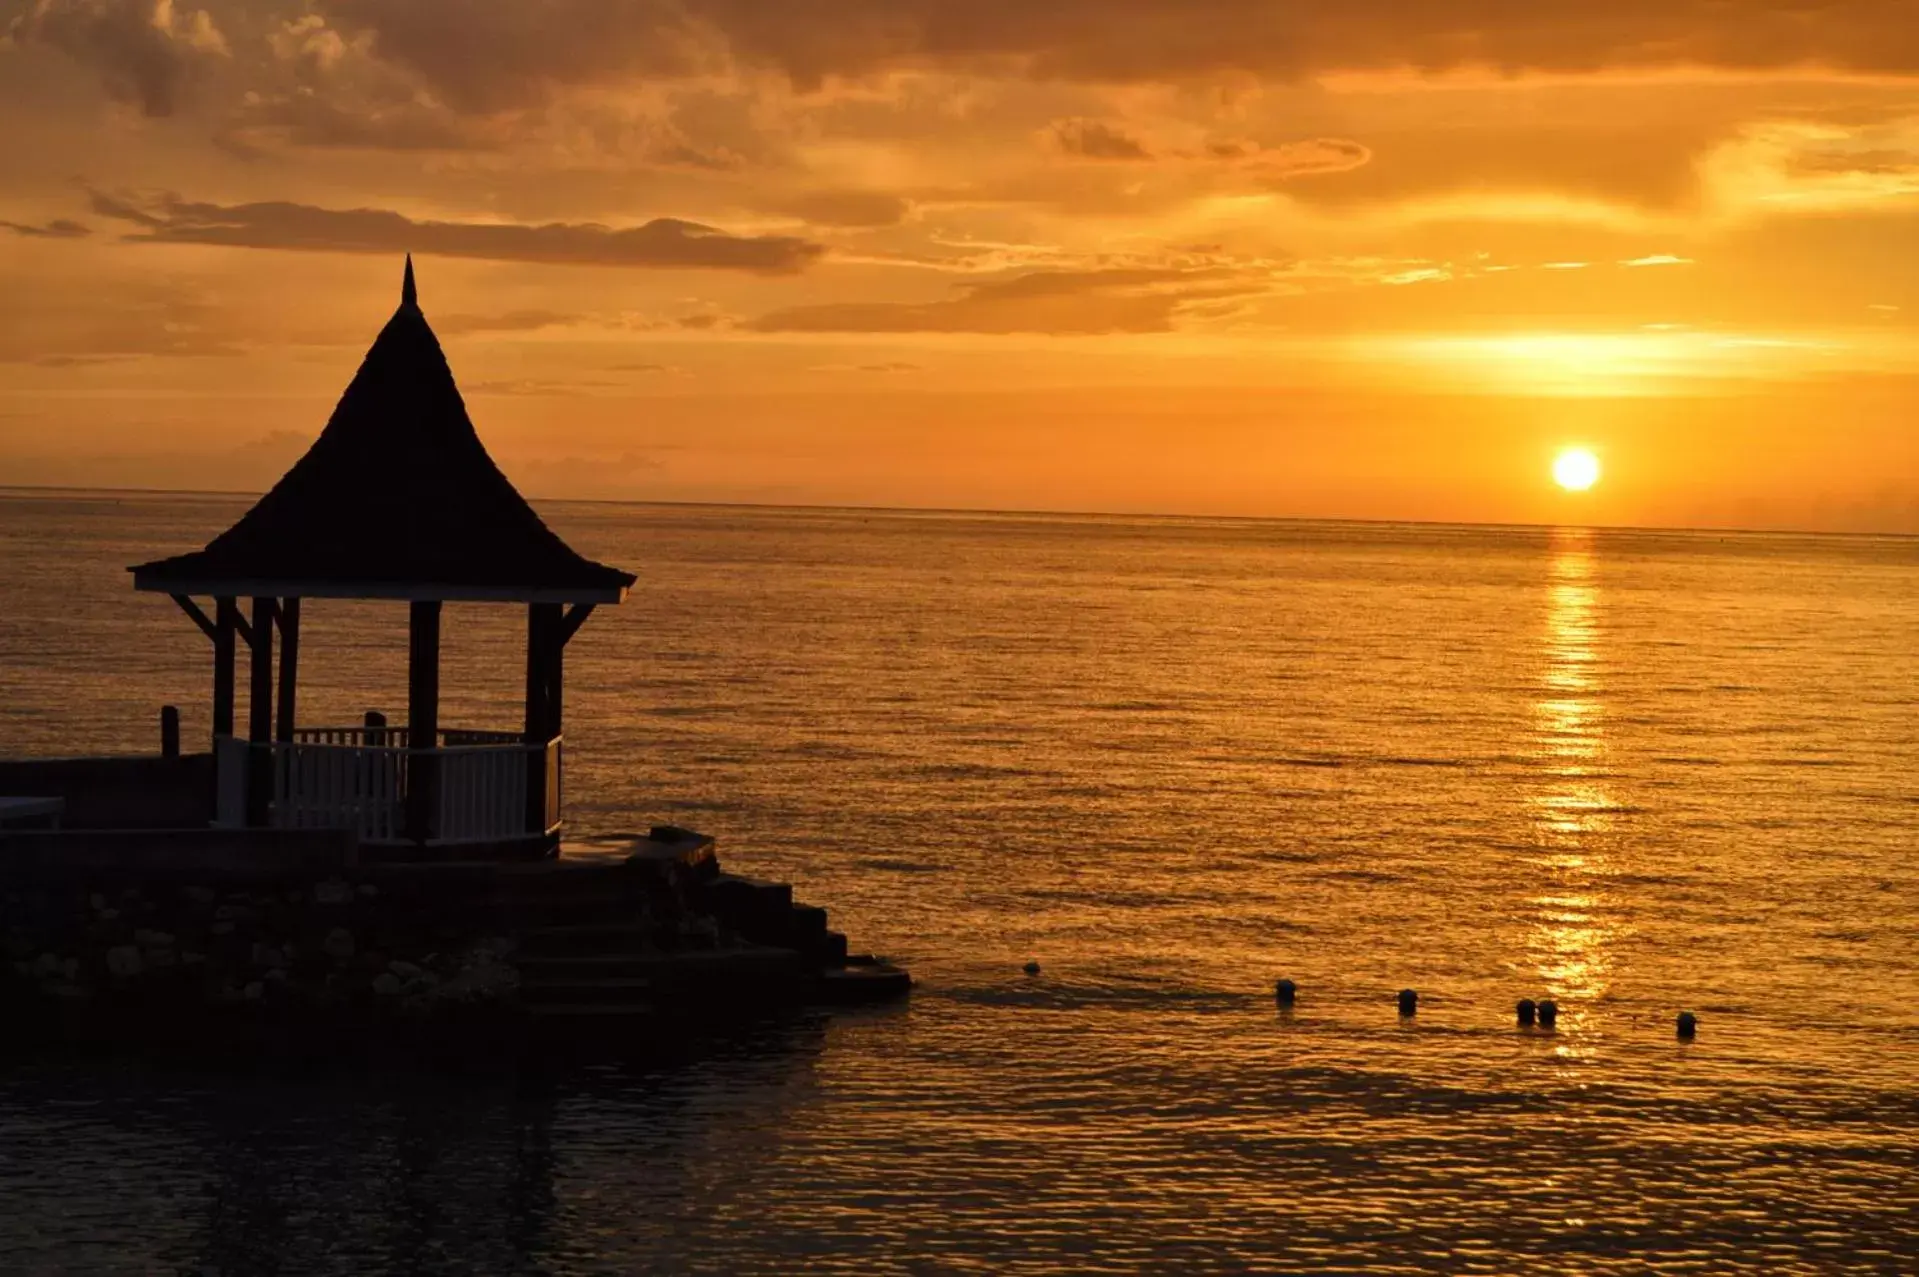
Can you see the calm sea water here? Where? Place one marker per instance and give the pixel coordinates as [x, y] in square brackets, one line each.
[1172, 760]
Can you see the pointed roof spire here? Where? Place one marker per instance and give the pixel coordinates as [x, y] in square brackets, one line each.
[409, 296]
[451, 526]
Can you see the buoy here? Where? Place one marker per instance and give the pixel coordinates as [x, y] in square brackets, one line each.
[1031, 968]
[1408, 1002]
[1688, 1025]
[1525, 1011]
[1285, 992]
[1548, 1014]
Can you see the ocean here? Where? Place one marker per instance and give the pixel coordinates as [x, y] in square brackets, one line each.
[1172, 761]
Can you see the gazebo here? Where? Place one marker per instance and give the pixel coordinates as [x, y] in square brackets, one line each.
[397, 499]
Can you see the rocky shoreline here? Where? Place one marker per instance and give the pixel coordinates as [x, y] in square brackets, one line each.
[117, 934]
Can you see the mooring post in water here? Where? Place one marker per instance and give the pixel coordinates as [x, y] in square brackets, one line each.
[1526, 1013]
[169, 731]
[1687, 1026]
[1408, 1002]
[1548, 1014]
[1285, 993]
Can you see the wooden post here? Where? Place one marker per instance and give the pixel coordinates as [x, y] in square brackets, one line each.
[542, 704]
[423, 719]
[169, 731]
[260, 714]
[556, 678]
[289, 612]
[226, 621]
[535, 685]
[260, 685]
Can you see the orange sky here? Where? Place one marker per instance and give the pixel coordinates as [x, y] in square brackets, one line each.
[1373, 258]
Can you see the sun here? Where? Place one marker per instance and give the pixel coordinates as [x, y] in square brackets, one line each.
[1575, 469]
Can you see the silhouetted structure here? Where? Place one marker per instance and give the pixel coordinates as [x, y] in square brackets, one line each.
[397, 499]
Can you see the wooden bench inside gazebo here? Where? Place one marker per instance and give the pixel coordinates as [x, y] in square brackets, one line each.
[396, 500]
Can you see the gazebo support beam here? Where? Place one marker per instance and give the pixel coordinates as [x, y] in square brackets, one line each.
[289, 614]
[226, 625]
[195, 615]
[260, 712]
[570, 624]
[545, 654]
[259, 636]
[423, 718]
[539, 631]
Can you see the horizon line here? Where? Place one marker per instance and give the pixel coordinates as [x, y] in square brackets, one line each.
[7, 488]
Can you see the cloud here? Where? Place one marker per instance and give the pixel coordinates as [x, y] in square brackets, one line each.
[1290, 160]
[1645, 159]
[850, 209]
[1096, 140]
[347, 121]
[1153, 39]
[59, 228]
[497, 55]
[64, 327]
[145, 51]
[1281, 162]
[1131, 300]
[537, 386]
[490, 55]
[517, 321]
[1879, 163]
[664, 242]
[74, 361]
[576, 476]
[533, 320]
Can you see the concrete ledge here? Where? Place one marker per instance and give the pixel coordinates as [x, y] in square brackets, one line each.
[175, 854]
[141, 792]
[660, 851]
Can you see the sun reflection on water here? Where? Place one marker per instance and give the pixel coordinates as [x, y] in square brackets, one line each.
[1573, 810]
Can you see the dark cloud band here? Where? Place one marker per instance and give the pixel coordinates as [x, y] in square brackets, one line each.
[661, 243]
[490, 54]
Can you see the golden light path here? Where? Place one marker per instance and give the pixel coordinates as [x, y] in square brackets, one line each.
[1576, 469]
[1573, 811]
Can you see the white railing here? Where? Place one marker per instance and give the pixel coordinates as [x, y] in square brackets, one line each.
[327, 786]
[400, 737]
[483, 792]
[364, 779]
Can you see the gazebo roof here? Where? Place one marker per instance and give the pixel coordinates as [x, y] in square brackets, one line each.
[397, 499]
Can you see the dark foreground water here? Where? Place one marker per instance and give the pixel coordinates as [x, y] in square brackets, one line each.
[1173, 760]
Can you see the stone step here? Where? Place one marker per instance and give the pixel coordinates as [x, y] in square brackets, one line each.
[562, 911]
[561, 876]
[807, 921]
[588, 938]
[589, 1012]
[766, 918]
[584, 966]
[608, 991]
[753, 888]
[869, 981]
[744, 901]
